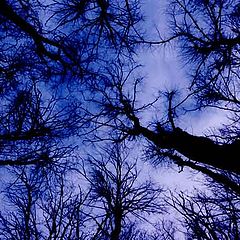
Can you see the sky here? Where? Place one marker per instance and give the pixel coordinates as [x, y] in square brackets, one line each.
[163, 71]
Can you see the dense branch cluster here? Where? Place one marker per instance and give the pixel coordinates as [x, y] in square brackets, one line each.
[70, 83]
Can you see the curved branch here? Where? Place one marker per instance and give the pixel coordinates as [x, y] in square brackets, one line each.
[218, 177]
[197, 148]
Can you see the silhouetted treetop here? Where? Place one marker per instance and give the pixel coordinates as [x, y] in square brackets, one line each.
[51, 52]
[208, 36]
[63, 74]
[71, 33]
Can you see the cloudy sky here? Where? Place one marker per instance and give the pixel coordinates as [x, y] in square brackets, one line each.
[163, 71]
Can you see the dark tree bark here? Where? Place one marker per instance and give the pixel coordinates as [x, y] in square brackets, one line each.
[197, 148]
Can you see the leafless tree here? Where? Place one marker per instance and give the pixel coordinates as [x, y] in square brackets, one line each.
[214, 47]
[45, 206]
[48, 50]
[208, 37]
[67, 71]
[69, 34]
[209, 215]
[118, 196]
[37, 209]
[121, 111]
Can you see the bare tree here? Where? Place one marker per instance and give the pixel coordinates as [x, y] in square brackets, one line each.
[213, 46]
[50, 207]
[94, 25]
[38, 208]
[118, 196]
[121, 111]
[208, 215]
[48, 50]
[21, 222]
[63, 76]
[208, 38]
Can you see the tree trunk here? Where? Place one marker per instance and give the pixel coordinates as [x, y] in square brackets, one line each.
[197, 148]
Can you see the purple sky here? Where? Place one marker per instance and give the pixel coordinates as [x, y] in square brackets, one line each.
[164, 71]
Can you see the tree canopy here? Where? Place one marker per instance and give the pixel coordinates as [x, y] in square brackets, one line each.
[70, 83]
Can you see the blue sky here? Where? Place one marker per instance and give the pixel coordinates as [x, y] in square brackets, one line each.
[164, 71]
